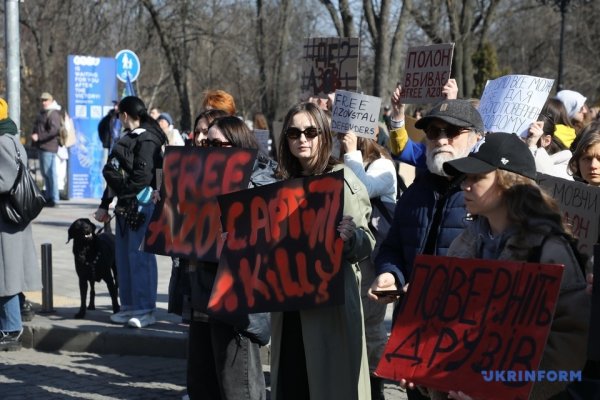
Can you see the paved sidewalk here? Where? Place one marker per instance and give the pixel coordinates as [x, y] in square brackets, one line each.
[65, 358]
[29, 374]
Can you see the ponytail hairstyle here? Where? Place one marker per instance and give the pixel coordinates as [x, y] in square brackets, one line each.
[136, 110]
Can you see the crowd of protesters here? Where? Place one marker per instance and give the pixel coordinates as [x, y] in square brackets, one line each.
[465, 201]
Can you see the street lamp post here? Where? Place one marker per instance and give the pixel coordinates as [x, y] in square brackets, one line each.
[562, 6]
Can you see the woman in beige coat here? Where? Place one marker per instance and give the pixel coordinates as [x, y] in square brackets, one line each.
[321, 353]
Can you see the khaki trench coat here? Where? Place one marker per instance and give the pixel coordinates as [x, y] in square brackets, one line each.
[334, 337]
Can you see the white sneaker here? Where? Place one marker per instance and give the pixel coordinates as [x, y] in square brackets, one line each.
[142, 321]
[121, 317]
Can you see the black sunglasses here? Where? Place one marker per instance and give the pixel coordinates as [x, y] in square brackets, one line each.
[451, 131]
[294, 133]
[214, 143]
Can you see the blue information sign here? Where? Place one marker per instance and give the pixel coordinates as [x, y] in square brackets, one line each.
[128, 64]
[92, 87]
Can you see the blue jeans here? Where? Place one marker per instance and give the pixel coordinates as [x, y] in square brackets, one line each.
[137, 270]
[10, 314]
[48, 168]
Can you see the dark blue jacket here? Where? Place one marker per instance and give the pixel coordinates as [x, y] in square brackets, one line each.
[413, 218]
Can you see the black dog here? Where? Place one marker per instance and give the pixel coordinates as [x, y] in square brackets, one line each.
[94, 261]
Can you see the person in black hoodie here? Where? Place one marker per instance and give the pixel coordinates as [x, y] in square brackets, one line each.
[130, 175]
[223, 356]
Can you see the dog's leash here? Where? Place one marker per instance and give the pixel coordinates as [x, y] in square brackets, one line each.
[105, 224]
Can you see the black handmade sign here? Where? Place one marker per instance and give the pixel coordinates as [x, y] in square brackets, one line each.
[282, 250]
[186, 222]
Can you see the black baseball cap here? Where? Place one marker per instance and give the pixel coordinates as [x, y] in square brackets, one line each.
[457, 112]
[497, 151]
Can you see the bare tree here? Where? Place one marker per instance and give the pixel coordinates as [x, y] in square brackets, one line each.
[176, 53]
[344, 22]
[467, 24]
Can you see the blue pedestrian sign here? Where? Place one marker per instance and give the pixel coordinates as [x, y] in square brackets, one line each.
[128, 65]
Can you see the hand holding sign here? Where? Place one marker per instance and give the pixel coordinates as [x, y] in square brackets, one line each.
[397, 105]
[450, 89]
[349, 142]
[535, 132]
[346, 228]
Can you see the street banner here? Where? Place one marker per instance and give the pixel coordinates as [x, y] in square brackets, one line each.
[512, 102]
[426, 71]
[282, 250]
[478, 326]
[185, 223]
[91, 89]
[329, 64]
[355, 112]
[580, 205]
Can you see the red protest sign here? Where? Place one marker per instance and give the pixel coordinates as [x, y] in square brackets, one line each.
[282, 250]
[463, 318]
[186, 221]
[329, 64]
[426, 71]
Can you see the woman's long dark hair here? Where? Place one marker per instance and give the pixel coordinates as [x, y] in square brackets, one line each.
[526, 202]
[236, 132]
[289, 166]
[136, 109]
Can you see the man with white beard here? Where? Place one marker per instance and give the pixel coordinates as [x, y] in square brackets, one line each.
[430, 213]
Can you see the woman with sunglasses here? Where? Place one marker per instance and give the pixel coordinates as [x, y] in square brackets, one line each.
[321, 353]
[222, 362]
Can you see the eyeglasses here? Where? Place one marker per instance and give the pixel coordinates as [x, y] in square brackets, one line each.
[214, 143]
[450, 132]
[294, 133]
[200, 131]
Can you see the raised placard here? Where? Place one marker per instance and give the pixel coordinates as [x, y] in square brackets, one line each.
[355, 112]
[426, 71]
[512, 102]
[329, 64]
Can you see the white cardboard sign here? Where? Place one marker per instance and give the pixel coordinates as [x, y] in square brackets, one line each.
[355, 112]
[512, 102]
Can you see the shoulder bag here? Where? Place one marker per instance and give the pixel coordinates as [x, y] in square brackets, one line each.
[24, 201]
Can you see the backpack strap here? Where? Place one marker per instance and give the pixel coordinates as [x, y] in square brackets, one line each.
[382, 209]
